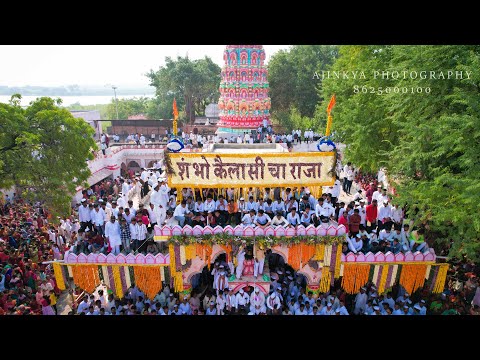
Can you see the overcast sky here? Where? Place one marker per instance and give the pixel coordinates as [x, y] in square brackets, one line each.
[121, 65]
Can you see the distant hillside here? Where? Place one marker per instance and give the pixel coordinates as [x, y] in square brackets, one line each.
[72, 90]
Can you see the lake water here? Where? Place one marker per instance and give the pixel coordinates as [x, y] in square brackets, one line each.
[69, 100]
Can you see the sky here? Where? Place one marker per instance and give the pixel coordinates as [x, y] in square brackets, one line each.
[96, 65]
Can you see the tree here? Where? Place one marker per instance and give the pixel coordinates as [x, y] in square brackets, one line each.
[429, 142]
[360, 118]
[194, 84]
[291, 77]
[43, 151]
[127, 107]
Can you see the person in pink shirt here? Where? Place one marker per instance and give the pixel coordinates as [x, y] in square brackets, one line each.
[46, 307]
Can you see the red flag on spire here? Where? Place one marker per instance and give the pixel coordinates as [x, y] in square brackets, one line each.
[331, 104]
[175, 110]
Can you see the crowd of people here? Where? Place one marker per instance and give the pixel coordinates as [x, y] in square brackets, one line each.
[108, 220]
[288, 296]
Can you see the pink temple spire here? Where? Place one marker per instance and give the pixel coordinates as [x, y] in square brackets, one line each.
[244, 103]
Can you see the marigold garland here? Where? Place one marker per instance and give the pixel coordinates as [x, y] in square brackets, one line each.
[307, 251]
[178, 282]
[338, 262]
[441, 278]
[294, 256]
[327, 255]
[57, 270]
[106, 279]
[412, 277]
[190, 252]
[394, 276]
[162, 274]
[148, 279]
[354, 277]
[183, 256]
[319, 252]
[171, 250]
[427, 273]
[200, 250]
[324, 285]
[118, 281]
[128, 278]
[383, 279]
[86, 277]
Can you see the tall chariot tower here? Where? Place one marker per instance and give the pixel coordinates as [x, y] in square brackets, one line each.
[244, 102]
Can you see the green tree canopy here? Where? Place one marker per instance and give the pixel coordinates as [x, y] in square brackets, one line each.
[127, 107]
[194, 84]
[44, 151]
[293, 87]
[429, 142]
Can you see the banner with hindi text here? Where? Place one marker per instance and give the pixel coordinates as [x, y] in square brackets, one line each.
[213, 170]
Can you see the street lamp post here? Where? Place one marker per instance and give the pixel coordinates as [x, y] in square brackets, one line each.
[115, 94]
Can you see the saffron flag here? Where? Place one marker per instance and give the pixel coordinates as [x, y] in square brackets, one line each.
[331, 104]
[175, 110]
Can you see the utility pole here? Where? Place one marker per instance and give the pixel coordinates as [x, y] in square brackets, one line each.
[115, 94]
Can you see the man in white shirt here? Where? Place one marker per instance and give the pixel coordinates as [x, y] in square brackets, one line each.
[144, 175]
[181, 212]
[355, 245]
[323, 211]
[360, 301]
[262, 220]
[141, 233]
[83, 306]
[127, 215]
[293, 219]
[397, 215]
[306, 218]
[301, 310]
[152, 217]
[242, 300]
[385, 216]
[335, 191]
[251, 205]
[84, 216]
[185, 307]
[133, 233]
[209, 205]
[242, 207]
[199, 208]
[273, 303]
[249, 219]
[383, 197]
[98, 219]
[358, 195]
[159, 205]
[362, 212]
[278, 205]
[112, 234]
[257, 302]
[130, 206]
[230, 301]
[125, 188]
[279, 220]
[377, 193]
